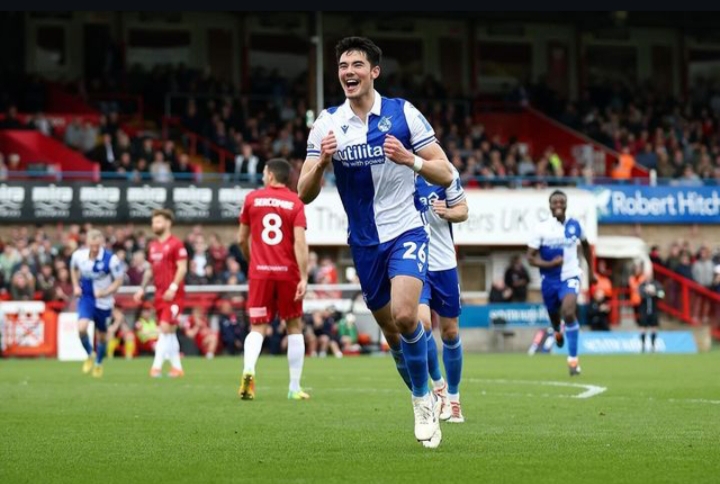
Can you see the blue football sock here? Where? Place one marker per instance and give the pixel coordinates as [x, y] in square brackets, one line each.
[414, 347]
[85, 340]
[101, 350]
[572, 331]
[432, 357]
[453, 360]
[397, 355]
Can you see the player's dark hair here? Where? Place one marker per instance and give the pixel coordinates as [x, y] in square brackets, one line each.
[279, 167]
[163, 212]
[362, 44]
[558, 192]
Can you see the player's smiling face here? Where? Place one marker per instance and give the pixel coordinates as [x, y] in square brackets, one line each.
[356, 74]
[558, 205]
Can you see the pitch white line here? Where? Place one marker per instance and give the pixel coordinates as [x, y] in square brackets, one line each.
[590, 390]
[694, 400]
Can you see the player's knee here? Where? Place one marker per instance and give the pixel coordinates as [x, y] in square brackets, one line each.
[449, 329]
[568, 315]
[405, 319]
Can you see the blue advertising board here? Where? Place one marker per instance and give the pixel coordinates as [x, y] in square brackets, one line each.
[616, 342]
[622, 204]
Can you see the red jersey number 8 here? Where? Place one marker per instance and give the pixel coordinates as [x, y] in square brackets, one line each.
[271, 234]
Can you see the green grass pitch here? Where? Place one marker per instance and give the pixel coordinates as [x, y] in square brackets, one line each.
[658, 421]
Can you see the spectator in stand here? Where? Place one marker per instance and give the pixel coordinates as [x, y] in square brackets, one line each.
[20, 288]
[146, 150]
[182, 169]
[233, 271]
[105, 154]
[63, 285]
[11, 120]
[624, 164]
[276, 337]
[517, 279]
[655, 256]
[46, 282]
[146, 330]
[703, 272]
[14, 163]
[88, 138]
[137, 268]
[217, 253]
[637, 277]
[321, 334]
[120, 333]
[232, 329]
[327, 274]
[4, 170]
[197, 328]
[40, 123]
[123, 145]
[168, 152]
[247, 166]
[160, 169]
[598, 312]
[348, 334]
[499, 292]
[73, 134]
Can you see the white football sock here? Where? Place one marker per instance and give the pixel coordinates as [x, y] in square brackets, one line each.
[454, 397]
[253, 347]
[160, 350]
[174, 351]
[296, 358]
[439, 384]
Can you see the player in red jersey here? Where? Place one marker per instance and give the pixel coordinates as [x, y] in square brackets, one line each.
[168, 266]
[272, 239]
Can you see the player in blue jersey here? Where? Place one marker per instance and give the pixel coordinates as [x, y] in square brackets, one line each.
[376, 146]
[441, 292]
[96, 275]
[554, 249]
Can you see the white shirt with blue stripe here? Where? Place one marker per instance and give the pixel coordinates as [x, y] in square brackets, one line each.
[98, 273]
[553, 238]
[441, 250]
[377, 194]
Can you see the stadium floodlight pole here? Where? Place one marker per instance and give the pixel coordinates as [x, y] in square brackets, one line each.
[319, 64]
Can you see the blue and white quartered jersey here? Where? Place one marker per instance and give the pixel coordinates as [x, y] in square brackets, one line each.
[97, 274]
[378, 194]
[441, 250]
[552, 239]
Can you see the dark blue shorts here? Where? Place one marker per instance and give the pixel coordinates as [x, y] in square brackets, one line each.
[441, 292]
[555, 290]
[101, 317]
[376, 265]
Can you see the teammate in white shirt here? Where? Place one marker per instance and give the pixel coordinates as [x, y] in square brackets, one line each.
[554, 250]
[96, 275]
[441, 292]
[376, 146]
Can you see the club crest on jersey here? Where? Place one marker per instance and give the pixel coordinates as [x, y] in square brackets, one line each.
[571, 230]
[384, 124]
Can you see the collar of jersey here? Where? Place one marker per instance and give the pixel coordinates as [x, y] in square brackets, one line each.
[348, 113]
[100, 255]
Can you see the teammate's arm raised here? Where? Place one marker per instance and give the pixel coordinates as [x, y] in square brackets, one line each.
[301, 256]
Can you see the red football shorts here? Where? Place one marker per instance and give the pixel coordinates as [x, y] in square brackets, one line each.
[267, 297]
[168, 311]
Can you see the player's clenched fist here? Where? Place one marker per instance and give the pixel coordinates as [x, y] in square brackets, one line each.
[328, 147]
[395, 150]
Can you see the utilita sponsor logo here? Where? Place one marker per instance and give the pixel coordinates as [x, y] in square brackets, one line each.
[361, 155]
[11, 201]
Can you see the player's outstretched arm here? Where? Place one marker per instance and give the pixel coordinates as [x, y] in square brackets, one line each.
[533, 256]
[301, 256]
[313, 170]
[430, 161]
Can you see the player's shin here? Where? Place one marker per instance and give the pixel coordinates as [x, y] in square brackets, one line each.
[253, 347]
[296, 358]
[174, 350]
[433, 362]
[85, 341]
[453, 361]
[414, 347]
[101, 349]
[572, 332]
